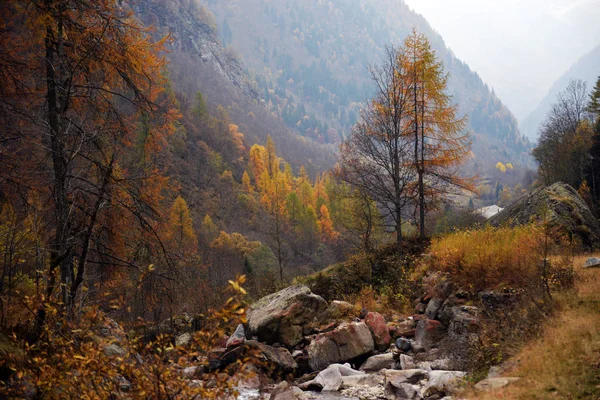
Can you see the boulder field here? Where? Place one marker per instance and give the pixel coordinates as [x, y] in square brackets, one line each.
[359, 356]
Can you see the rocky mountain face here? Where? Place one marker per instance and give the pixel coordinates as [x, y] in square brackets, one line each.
[311, 58]
[193, 34]
[585, 69]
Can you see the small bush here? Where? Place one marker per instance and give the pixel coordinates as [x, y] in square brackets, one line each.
[495, 258]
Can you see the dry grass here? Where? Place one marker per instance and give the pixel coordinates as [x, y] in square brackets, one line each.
[564, 363]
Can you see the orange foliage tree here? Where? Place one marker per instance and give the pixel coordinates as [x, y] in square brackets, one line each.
[83, 97]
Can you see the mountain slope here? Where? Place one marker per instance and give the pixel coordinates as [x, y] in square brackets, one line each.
[310, 60]
[587, 68]
[199, 63]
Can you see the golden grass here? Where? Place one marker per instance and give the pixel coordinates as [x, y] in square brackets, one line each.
[564, 363]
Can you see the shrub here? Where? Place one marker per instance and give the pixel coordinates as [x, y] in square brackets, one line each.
[495, 258]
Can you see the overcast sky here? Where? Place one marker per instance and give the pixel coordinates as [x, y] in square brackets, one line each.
[519, 47]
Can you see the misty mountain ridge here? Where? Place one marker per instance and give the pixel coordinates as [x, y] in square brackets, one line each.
[586, 69]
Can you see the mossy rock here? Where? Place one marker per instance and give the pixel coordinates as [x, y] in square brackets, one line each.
[560, 207]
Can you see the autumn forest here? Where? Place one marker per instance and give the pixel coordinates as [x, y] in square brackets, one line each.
[147, 176]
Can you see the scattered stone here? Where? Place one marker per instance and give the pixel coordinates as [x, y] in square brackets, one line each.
[433, 307]
[396, 377]
[112, 350]
[378, 362]
[404, 329]
[238, 337]
[429, 333]
[592, 262]
[491, 384]
[369, 380]
[443, 382]
[379, 330]
[284, 391]
[285, 316]
[189, 371]
[417, 347]
[279, 356]
[404, 344]
[363, 313]
[407, 362]
[404, 391]
[183, 340]
[124, 384]
[363, 393]
[330, 379]
[346, 342]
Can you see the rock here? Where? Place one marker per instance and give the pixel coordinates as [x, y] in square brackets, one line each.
[189, 371]
[491, 384]
[363, 313]
[404, 329]
[112, 350]
[407, 362]
[404, 344]
[443, 382]
[346, 342]
[429, 333]
[330, 379]
[404, 376]
[404, 391]
[285, 316]
[379, 330]
[560, 208]
[378, 362]
[340, 309]
[370, 380]
[417, 347]
[297, 353]
[284, 391]
[592, 262]
[363, 393]
[124, 384]
[433, 307]
[279, 356]
[183, 340]
[444, 289]
[238, 337]
[465, 319]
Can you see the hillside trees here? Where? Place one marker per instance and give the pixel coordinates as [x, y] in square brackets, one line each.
[563, 151]
[439, 142]
[408, 143]
[83, 99]
[377, 157]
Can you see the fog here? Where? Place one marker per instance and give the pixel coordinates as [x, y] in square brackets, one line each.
[518, 47]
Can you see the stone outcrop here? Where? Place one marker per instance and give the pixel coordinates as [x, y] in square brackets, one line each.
[560, 207]
[346, 342]
[379, 330]
[285, 317]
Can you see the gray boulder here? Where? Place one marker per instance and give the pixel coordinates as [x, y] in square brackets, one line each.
[592, 262]
[238, 337]
[346, 342]
[443, 382]
[429, 333]
[378, 362]
[491, 384]
[286, 316]
[559, 207]
[433, 307]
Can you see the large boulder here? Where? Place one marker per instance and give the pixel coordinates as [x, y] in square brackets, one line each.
[429, 333]
[378, 362]
[346, 342]
[278, 357]
[379, 329]
[560, 207]
[286, 316]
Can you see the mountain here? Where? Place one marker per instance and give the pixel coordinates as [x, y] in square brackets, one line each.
[309, 58]
[587, 68]
[198, 63]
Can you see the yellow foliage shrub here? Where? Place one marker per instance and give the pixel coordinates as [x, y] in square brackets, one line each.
[491, 258]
